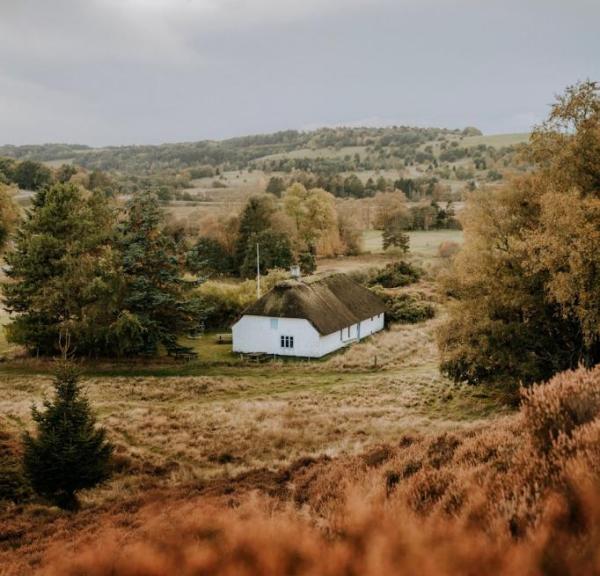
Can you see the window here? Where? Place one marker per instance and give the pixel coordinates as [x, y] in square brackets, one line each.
[287, 341]
[274, 323]
[348, 331]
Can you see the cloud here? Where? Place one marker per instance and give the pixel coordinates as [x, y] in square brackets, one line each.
[121, 71]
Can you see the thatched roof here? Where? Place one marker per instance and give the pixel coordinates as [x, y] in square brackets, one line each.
[329, 303]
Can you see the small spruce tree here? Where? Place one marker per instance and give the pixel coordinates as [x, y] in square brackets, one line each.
[69, 453]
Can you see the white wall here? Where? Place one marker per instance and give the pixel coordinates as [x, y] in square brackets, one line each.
[372, 325]
[258, 334]
[341, 338]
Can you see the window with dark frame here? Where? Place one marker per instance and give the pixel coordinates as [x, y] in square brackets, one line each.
[287, 341]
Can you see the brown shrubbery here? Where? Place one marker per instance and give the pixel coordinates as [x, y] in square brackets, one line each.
[518, 496]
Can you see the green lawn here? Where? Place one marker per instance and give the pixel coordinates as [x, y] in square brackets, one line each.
[424, 244]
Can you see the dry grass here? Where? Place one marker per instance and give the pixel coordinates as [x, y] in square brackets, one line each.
[183, 429]
[483, 500]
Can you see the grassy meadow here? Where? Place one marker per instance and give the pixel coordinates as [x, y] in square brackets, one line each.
[233, 417]
[423, 244]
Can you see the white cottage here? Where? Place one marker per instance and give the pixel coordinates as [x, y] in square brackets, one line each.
[309, 317]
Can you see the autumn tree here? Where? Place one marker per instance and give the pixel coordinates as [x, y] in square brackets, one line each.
[65, 172]
[8, 215]
[314, 215]
[391, 205]
[275, 186]
[527, 281]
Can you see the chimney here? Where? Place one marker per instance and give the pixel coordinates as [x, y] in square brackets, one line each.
[295, 271]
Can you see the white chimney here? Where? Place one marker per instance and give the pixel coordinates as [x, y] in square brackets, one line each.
[295, 271]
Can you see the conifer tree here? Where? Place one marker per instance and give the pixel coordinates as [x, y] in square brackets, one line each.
[255, 218]
[394, 235]
[156, 307]
[68, 453]
[62, 271]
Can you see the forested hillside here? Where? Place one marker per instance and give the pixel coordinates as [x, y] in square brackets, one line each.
[347, 162]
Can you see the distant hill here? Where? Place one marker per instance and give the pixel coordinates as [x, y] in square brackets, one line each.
[348, 162]
[380, 148]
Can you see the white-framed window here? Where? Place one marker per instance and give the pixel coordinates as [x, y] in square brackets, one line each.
[274, 323]
[287, 341]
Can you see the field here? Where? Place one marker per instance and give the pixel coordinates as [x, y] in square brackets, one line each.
[176, 426]
[496, 140]
[423, 243]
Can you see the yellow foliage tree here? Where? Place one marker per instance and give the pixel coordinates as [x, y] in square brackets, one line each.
[314, 215]
[527, 281]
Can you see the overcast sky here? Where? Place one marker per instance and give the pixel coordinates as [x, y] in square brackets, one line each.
[150, 71]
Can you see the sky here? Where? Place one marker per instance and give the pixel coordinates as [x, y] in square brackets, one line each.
[113, 72]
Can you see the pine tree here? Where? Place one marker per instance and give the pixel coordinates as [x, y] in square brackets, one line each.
[393, 234]
[255, 218]
[62, 271]
[156, 308]
[69, 453]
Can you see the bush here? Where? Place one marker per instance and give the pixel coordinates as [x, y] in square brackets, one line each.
[202, 172]
[404, 308]
[226, 301]
[396, 275]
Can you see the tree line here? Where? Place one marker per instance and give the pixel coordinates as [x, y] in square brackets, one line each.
[304, 224]
[109, 279]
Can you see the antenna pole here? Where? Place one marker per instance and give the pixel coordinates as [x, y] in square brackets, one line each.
[257, 271]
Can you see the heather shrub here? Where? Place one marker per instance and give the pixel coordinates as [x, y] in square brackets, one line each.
[558, 408]
[13, 485]
[258, 539]
[478, 500]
